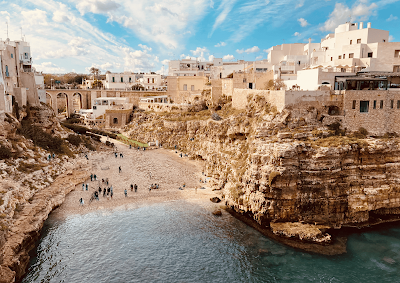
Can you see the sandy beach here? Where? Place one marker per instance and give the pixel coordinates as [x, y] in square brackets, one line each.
[154, 166]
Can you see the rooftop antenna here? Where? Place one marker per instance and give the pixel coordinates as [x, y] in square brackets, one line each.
[21, 34]
[7, 28]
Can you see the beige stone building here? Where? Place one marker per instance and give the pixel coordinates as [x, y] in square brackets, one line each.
[17, 77]
[185, 89]
[117, 118]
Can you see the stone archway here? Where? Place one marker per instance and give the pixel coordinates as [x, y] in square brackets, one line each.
[62, 106]
[49, 99]
[76, 102]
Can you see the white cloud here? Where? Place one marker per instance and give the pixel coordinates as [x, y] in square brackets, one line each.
[253, 49]
[165, 62]
[297, 34]
[391, 18]
[96, 6]
[360, 11]
[220, 44]
[300, 4]
[228, 57]
[225, 7]
[35, 17]
[391, 38]
[199, 51]
[48, 67]
[259, 57]
[144, 47]
[303, 22]
[211, 58]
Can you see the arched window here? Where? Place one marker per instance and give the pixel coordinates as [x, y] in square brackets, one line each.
[115, 120]
[7, 74]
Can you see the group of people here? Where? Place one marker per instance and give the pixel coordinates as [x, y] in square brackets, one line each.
[154, 187]
[120, 155]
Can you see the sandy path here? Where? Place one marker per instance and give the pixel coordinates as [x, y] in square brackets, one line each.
[143, 168]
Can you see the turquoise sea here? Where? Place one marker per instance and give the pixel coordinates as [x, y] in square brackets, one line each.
[183, 242]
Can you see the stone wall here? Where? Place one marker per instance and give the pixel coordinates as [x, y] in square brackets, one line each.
[117, 118]
[377, 121]
[287, 98]
[275, 98]
[164, 107]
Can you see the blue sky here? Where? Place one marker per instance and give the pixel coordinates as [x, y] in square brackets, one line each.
[142, 35]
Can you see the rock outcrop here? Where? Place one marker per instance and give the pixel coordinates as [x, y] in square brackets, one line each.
[286, 167]
[25, 231]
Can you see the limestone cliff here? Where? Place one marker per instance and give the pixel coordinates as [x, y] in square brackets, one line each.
[31, 184]
[292, 166]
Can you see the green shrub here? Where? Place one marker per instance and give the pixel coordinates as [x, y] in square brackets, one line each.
[5, 152]
[74, 139]
[41, 138]
[335, 127]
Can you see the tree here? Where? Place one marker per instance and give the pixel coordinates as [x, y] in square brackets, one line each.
[277, 84]
[137, 87]
[95, 72]
[97, 84]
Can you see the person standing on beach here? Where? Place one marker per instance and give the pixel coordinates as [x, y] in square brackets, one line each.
[119, 168]
[91, 177]
[135, 188]
[104, 192]
[81, 202]
[87, 186]
[131, 188]
[83, 186]
[126, 193]
[95, 177]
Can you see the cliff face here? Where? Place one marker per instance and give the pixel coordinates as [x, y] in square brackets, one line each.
[31, 184]
[286, 167]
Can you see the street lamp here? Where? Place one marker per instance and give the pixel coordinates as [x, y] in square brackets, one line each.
[51, 83]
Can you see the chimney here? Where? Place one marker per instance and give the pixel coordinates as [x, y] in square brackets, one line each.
[361, 25]
[369, 25]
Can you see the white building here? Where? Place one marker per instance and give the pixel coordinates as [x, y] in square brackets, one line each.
[96, 115]
[152, 81]
[120, 81]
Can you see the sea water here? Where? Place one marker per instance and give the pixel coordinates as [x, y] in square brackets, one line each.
[183, 242]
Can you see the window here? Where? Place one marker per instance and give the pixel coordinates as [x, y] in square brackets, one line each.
[369, 54]
[354, 105]
[364, 105]
[244, 80]
[12, 55]
[331, 58]
[113, 80]
[391, 104]
[148, 80]
[397, 53]
[344, 56]
[115, 120]
[384, 40]
[374, 104]
[130, 79]
[122, 79]
[94, 107]
[340, 57]
[184, 87]
[351, 55]
[7, 74]
[152, 80]
[351, 42]
[26, 55]
[398, 104]
[359, 41]
[381, 104]
[192, 87]
[396, 68]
